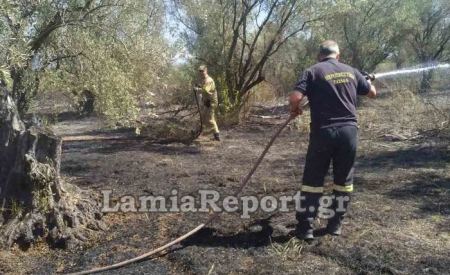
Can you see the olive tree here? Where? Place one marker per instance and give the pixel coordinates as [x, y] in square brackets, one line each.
[368, 31]
[429, 35]
[122, 60]
[61, 44]
[238, 38]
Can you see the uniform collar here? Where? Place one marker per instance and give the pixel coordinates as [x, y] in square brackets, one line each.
[332, 59]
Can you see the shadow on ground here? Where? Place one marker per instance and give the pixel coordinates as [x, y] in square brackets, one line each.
[108, 147]
[431, 191]
[415, 157]
[262, 235]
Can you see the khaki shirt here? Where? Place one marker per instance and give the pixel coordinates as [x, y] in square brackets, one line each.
[208, 88]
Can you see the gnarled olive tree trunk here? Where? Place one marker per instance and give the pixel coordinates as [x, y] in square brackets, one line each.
[35, 202]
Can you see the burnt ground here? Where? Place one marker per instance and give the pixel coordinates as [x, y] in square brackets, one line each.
[398, 224]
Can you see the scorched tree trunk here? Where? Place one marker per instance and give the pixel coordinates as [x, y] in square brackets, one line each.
[35, 203]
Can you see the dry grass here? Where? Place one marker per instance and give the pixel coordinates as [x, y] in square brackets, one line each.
[396, 224]
[404, 112]
[290, 250]
[169, 130]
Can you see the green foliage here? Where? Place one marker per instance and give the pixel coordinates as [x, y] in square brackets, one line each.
[180, 81]
[286, 66]
[368, 31]
[112, 48]
[25, 88]
[116, 49]
[237, 39]
[5, 77]
[429, 32]
[119, 75]
[228, 99]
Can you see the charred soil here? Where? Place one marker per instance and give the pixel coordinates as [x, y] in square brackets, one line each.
[398, 222]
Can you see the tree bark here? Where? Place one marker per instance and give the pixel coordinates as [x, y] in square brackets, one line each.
[35, 203]
[25, 87]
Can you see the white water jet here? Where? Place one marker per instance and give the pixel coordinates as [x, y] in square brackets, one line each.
[413, 70]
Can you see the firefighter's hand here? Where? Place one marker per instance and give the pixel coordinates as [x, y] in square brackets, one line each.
[294, 104]
[296, 112]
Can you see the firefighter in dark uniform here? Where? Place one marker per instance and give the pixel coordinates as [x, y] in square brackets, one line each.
[331, 88]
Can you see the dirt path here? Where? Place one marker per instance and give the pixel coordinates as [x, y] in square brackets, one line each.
[399, 222]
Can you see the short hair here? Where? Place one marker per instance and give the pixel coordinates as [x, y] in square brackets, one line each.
[202, 68]
[328, 47]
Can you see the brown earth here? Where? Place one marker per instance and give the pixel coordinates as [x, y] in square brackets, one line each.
[399, 222]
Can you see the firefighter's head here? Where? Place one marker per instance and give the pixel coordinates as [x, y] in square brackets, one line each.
[202, 71]
[328, 49]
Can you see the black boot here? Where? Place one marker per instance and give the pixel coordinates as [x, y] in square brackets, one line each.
[306, 216]
[304, 230]
[216, 137]
[334, 226]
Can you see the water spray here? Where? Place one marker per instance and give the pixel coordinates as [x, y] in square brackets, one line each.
[244, 181]
[372, 77]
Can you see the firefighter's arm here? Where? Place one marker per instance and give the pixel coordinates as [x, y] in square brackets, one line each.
[364, 84]
[209, 87]
[373, 91]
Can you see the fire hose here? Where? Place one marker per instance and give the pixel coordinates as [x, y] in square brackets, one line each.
[199, 114]
[244, 181]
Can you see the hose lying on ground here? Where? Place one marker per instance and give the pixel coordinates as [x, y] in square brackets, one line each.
[213, 216]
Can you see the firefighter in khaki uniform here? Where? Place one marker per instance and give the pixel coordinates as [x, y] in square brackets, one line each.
[207, 88]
